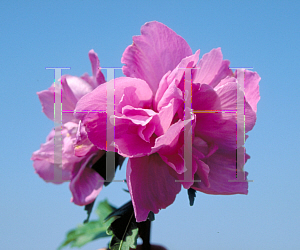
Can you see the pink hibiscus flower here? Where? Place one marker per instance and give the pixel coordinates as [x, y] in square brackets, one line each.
[150, 119]
[85, 182]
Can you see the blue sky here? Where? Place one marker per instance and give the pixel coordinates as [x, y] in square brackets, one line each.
[264, 35]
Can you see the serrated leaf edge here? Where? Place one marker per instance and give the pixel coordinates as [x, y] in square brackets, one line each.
[125, 232]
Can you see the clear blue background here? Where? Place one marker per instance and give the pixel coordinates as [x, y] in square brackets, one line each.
[260, 34]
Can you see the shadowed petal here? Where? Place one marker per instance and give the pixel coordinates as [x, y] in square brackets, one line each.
[86, 184]
[223, 169]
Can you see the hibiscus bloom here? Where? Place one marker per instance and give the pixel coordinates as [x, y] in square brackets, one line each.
[150, 119]
[85, 182]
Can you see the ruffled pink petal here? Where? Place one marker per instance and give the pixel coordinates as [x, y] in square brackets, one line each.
[96, 126]
[174, 77]
[251, 88]
[127, 139]
[175, 161]
[212, 68]
[132, 145]
[44, 157]
[47, 100]
[167, 113]
[82, 144]
[222, 170]
[97, 78]
[134, 130]
[169, 147]
[73, 88]
[151, 185]
[97, 74]
[77, 86]
[95, 63]
[172, 92]
[129, 98]
[92, 110]
[156, 51]
[162, 87]
[68, 92]
[138, 116]
[96, 101]
[45, 170]
[212, 127]
[185, 66]
[229, 97]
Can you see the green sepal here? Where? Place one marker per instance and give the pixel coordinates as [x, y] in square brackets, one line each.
[88, 208]
[151, 216]
[192, 195]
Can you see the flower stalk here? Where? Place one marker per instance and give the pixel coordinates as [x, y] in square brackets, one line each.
[144, 232]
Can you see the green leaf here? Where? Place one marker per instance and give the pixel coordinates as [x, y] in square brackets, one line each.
[129, 236]
[92, 230]
[84, 234]
[104, 209]
[192, 195]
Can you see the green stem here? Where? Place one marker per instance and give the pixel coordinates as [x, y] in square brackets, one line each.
[144, 232]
